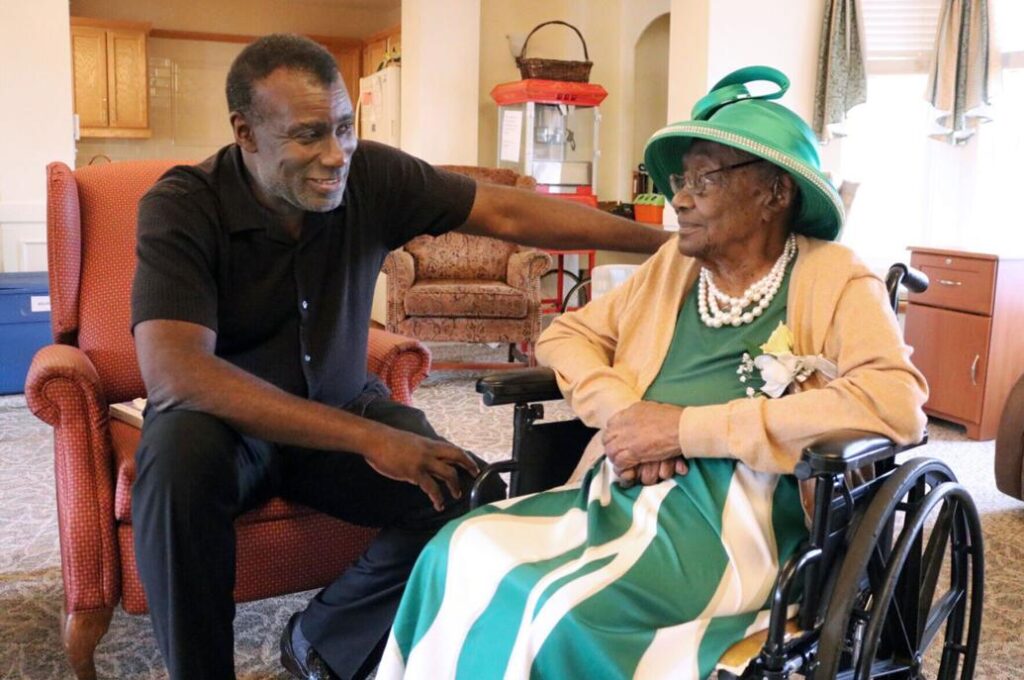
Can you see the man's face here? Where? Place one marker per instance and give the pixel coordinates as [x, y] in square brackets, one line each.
[299, 143]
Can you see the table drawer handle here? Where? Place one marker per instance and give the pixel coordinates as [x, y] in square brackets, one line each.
[974, 369]
[948, 282]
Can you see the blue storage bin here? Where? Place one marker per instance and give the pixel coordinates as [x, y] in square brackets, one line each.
[24, 325]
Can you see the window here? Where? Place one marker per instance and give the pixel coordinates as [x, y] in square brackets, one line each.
[899, 35]
[917, 191]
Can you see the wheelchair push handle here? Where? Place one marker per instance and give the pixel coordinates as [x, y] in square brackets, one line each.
[914, 280]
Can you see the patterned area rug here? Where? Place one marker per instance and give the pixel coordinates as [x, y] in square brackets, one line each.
[30, 585]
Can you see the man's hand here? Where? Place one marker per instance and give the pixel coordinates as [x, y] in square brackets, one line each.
[424, 462]
[646, 432]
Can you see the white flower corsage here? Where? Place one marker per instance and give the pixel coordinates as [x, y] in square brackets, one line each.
[779, 367]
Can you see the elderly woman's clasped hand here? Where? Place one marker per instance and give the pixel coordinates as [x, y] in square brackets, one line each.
[642, 443]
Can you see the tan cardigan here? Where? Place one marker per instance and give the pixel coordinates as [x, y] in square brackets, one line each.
[607, 354]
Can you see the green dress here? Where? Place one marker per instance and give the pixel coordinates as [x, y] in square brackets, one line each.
[599, 581]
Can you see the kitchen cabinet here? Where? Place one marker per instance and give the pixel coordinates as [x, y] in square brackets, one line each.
[967, 331]
[109, 67]
[377, 47]
[349, 59]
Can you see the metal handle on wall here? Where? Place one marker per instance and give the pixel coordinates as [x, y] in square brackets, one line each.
[974, 369]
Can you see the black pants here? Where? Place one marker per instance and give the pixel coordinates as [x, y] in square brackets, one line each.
[196, 475]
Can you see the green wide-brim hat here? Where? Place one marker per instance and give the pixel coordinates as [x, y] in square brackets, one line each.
[729, 114]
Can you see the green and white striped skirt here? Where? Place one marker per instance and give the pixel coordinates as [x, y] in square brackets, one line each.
[597, 581]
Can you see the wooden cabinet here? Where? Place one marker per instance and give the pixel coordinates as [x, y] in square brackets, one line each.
[109, 67]
[373, 54]
[967, 331]
[377, 47]
[350, 65]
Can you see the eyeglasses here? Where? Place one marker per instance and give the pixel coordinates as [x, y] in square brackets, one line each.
[698, 185]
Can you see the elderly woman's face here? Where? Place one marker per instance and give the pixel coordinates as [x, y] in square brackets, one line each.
[724, 210]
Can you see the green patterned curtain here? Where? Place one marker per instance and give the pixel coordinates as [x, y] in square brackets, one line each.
[841, 82]
[965, 69]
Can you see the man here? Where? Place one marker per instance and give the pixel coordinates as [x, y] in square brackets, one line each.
[250, 312]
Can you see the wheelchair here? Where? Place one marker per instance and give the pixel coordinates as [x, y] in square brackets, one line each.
[889, 563]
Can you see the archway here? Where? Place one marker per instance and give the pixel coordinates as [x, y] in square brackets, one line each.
[650, 85]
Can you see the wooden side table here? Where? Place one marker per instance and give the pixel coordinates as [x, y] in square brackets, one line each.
[967, 331]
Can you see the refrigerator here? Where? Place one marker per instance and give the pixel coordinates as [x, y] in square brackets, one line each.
[380, 106]
[378, 117]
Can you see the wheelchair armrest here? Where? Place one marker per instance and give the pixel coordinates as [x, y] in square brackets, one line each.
[517, 387]
[845, 450]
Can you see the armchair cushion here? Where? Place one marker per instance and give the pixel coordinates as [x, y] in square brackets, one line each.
[466, 298]
[125, 439]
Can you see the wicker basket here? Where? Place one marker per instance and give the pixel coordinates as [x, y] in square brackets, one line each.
[554, 69]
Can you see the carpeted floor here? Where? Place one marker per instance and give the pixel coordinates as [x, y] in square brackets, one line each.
[30, 585]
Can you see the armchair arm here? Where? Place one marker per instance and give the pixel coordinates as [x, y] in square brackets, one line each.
[847, 450]
[401, 362]
[401, 272]
[1009, 461]
[518, 387]
[64, 390]
[55, 370]
[526, 267]
[400, 268]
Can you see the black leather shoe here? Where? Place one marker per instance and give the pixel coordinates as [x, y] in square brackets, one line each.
[298, 656]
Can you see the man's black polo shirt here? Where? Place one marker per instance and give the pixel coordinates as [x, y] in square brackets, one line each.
[295, 313]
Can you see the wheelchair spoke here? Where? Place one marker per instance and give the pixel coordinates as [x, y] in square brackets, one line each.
[876, 569]
[934, 554]
[939, 615]
[898, 629]
[880, 669]
[899, 634]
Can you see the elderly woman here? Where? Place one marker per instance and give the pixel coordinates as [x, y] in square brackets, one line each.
[708, 372]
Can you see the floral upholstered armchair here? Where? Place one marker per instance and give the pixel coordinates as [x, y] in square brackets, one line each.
[465, 288]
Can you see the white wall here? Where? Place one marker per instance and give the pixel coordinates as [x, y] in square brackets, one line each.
[35, 117]
[781, 33]
[441, 79]
[689, 42]
[719, 36]
[649, 79]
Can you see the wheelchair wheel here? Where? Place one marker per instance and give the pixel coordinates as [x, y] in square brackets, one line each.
[914, 568]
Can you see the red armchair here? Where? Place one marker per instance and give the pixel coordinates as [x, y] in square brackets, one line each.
[91, 215]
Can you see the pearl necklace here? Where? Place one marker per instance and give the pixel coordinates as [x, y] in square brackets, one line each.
[718, 309]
